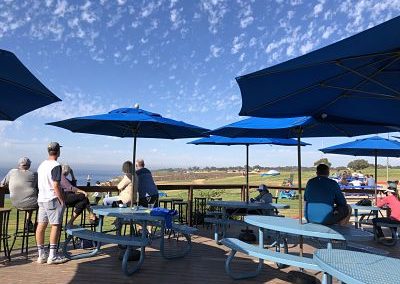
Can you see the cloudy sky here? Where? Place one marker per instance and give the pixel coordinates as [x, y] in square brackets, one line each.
[177, 58]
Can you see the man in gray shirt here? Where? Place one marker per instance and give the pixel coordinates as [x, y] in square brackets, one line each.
[22, 184]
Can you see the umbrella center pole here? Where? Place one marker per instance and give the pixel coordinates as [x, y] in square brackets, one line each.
[134, 175]
[299, 185]
[247, 174]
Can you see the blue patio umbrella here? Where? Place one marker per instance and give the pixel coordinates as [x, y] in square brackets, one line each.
[247, 141]
[131, 122]
[373, 146]
[20, 91]
[296, 127]
[356, 78]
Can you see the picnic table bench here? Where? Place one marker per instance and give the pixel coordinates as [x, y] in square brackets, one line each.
[102, 238]
[394, 228]
[287, 226]
[263, 254]
[140, 216]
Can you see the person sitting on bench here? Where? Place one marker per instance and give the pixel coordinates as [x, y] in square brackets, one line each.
[325, 202]
[392, 200]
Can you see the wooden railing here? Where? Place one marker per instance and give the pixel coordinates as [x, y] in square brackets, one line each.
[190, 190]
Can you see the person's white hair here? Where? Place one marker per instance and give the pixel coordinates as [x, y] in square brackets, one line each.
[65, 169]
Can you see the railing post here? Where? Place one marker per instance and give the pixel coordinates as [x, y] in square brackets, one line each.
[190, 205]
[243, 193]
[2, 196]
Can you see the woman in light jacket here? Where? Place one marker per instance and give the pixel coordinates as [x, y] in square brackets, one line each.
[124, 186]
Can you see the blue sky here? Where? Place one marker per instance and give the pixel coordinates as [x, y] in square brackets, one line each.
[177, 58]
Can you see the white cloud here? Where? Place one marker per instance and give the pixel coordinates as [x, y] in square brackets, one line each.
[216, 51]
[215, 10]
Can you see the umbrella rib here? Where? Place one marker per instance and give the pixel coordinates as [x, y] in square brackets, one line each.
[257, 74]
[317, 84]
[395, 59]
[367, 78]
[359, 91]
[50, 96]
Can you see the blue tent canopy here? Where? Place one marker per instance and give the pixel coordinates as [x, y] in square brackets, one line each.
[289, 128]
[372, 146]
[20, 91]
[131, 122]
[356, 78]
[221, 140]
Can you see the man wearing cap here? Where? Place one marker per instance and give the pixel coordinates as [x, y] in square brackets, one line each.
[51, 205]
[325, 202]
[22, 184]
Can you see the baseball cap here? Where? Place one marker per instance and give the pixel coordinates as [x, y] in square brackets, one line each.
[262, 187]
[24, 161]
[53, 147]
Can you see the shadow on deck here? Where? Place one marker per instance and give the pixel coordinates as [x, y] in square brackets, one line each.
[205, 264]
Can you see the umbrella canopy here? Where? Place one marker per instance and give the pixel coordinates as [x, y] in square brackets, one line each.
[20, 91]
[290, 127]
[131, 122]
[221, 140]
[372, 146]
[305, 126]
[355, 78]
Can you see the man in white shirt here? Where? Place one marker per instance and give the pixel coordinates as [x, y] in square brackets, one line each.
[356, 182]
[51, 205]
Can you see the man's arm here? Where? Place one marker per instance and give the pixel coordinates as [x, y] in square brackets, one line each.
[339, 196]
[56, 177]
[5, 180]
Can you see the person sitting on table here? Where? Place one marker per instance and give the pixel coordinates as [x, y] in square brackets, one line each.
[23, 187]
[325, 203]
[74, 197]
[356, 182]
[125, 187]
[392, 201]
[147, 189]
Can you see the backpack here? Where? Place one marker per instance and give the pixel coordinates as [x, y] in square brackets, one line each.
[364, 202]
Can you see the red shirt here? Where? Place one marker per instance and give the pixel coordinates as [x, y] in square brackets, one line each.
[393, 203]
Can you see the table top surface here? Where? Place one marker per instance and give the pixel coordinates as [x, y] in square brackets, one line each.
[250, 205]
[292, 226]
[358, 267]
[369, 208]
[126, 213]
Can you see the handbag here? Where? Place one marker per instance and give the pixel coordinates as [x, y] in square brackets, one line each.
[364, 202]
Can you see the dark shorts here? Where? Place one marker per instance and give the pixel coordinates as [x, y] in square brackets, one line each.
[143, 201]
[339, 213]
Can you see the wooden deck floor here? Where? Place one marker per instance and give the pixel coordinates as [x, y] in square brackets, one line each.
[205, 264]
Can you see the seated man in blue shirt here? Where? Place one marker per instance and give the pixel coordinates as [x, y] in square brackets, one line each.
[325, 203]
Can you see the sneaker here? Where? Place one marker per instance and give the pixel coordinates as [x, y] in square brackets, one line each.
[42, 259]
[57, 260]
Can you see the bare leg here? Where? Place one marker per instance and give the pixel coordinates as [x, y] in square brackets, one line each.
[55, 233]
[73, 218]
[40, 230]
[346, 220]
